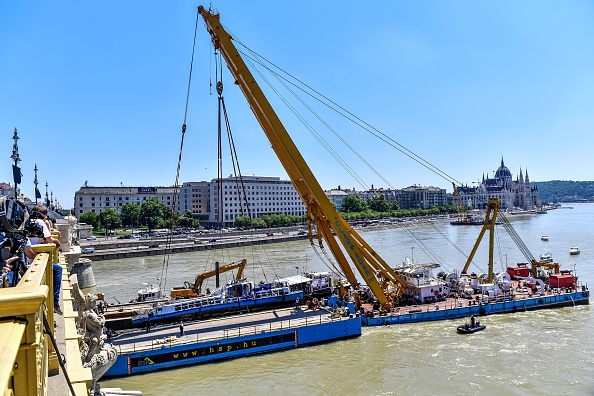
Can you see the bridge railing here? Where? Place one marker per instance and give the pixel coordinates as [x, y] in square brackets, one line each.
[27, 356]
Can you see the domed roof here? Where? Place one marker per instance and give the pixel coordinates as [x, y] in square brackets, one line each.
[502, 172]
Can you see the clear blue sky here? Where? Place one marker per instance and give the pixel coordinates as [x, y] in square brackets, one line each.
[97, 89]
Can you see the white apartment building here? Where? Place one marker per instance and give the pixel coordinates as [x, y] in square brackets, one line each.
[96, 199]
[336, 197]
[265, 195]
[421, 197]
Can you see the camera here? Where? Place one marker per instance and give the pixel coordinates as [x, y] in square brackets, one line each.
[11, 245]
[13, 215]
[15, 218]
[16, 225]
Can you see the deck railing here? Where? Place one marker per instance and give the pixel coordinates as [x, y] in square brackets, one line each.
[172, 340]
[27, 356]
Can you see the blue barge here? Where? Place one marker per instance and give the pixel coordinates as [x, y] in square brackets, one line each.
[429, 312]
[233, 297]
[229, 337]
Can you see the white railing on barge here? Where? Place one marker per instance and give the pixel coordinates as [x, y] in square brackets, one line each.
[239, 331]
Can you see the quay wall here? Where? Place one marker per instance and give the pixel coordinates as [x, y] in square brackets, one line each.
[138, 249]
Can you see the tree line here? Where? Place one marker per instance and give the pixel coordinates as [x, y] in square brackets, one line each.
[565, 190]
[378, 207]
[153, 214]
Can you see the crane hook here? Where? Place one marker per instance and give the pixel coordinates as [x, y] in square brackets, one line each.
[220, 88]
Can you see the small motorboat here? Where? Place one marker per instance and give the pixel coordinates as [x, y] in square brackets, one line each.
[544, 238]
[471, 327]
[574, 250]
[546, 258]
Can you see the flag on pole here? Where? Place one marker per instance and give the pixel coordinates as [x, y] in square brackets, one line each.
[16, 174]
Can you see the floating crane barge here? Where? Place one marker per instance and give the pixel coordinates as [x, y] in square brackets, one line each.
[388, 287]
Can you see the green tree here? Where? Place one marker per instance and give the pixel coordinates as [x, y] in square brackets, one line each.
[170, 217]
[243, 221]
[395, 205]
[110, 218]
[151, 213]
[130, 214]
[354, 204]
[379, 203]
[188, 220]
[258, 223]
[91, 219]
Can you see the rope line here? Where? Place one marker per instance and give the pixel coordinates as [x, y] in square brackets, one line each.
[165, 266]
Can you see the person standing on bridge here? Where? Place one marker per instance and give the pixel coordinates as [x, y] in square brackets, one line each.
[181, 329]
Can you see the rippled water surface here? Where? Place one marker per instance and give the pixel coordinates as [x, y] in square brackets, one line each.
[548, 352]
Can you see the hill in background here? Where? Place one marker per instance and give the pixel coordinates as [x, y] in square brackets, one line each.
[566, 191]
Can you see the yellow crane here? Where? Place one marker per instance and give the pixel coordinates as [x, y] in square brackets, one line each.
[488, 225]
[196, 289]
[383, 281]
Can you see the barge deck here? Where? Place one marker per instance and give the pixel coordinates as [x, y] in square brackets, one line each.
[462, 308]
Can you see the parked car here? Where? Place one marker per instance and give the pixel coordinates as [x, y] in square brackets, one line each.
[243, 237]
[269, 233]
[88, 250]
[153, 245]
[91, 238]
[212, 240]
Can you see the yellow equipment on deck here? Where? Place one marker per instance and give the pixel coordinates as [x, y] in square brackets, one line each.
[196, 289]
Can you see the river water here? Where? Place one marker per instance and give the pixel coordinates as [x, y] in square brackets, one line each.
[548, 352]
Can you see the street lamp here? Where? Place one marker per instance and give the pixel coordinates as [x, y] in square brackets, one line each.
[297, 268]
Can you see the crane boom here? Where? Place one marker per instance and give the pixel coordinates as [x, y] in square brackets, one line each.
[320, 211]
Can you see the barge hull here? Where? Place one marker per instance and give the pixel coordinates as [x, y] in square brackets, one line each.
[517, 305]
[176, 354]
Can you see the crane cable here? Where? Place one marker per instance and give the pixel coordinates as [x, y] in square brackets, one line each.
[165, 267]
[370, 129]
[316, 95]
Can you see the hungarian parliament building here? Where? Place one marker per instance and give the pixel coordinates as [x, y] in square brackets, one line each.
[512, 194]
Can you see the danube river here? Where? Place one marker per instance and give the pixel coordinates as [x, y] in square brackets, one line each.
[548, 352]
